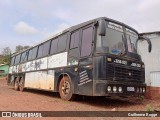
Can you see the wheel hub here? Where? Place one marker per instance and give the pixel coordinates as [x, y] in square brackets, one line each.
[66, 88]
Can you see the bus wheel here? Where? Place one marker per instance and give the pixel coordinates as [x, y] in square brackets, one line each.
[66, 89]
[16, 84]
[21, 85]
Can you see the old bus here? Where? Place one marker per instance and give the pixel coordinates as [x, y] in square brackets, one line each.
[95, 58]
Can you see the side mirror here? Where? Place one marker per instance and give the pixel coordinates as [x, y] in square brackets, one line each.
[149, 42]
[102, 27]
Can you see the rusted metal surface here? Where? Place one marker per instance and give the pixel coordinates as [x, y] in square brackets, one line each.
[40, 80]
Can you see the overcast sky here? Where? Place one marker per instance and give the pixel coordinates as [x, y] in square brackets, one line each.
[28, 22]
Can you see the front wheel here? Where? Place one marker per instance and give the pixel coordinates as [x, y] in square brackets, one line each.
[66, 89]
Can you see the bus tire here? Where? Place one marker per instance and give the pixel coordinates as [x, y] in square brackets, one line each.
[21, 84]
[66, 89]
[16, 84]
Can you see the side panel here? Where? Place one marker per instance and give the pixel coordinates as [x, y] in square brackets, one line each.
[58, 60]
[40, 80]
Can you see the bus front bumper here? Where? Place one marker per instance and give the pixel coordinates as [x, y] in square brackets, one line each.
[118, 88]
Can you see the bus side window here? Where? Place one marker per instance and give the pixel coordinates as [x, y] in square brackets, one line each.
[74, 43]
[34, 52]
[40, 51]
[17, 60]
[46, 48]
[23, 57]
[86, 45]
[62, 41]
[74, 40]
[30, 54]
[53, 49]
[12, 60]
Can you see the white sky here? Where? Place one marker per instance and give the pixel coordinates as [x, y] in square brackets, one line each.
[27, 22]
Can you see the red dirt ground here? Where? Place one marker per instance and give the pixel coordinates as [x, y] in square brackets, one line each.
[33, 100]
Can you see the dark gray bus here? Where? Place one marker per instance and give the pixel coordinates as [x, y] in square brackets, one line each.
[95, 58]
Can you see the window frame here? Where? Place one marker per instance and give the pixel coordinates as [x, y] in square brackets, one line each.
[93, 32]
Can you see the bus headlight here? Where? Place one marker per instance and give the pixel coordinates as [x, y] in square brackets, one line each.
[144, 90]
[140, 89]
[109, 88]
[120, 89]
[114, 89]
[137, 90]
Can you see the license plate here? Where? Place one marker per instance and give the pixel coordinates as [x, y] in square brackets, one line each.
[130, 89]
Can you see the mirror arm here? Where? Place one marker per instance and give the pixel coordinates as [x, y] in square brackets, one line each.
[148, 41]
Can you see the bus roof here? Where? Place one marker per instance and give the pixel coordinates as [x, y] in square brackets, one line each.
[75, 27]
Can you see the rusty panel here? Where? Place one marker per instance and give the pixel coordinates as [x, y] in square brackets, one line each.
[40, 80]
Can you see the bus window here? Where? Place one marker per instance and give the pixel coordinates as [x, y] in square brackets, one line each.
[46, 48]
[74, 40]
[12, 60]
[86, 42]
[62, 40]
[40, 51]
[24, 57]
[30, 54]
[54, 46]
[34, 52]
[17, 60]
[74, 43]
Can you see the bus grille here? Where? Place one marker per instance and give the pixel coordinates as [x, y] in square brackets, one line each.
[124, 73]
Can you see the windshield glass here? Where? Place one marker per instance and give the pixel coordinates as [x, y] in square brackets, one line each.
[112, 42]
[131, 40]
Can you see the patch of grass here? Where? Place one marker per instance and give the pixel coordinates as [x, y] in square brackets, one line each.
[149, 108]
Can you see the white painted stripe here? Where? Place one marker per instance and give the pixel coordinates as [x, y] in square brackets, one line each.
[58, 60]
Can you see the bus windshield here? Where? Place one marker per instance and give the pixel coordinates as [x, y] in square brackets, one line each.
[113, 41]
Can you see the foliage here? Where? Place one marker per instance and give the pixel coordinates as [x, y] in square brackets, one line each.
[5, 56]
[149, 108]
[20, 48]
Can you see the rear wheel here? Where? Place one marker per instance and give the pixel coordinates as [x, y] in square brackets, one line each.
[16, 84]
[21, 85]
[66, 89]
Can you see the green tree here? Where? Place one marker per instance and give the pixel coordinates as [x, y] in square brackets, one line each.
[5, 56]
[26, 47]
[20, 48]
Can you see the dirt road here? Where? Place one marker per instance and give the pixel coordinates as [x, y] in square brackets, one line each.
[33, 100]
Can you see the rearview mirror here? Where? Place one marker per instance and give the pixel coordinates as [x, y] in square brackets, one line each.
[102, 27]
[149, 42]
